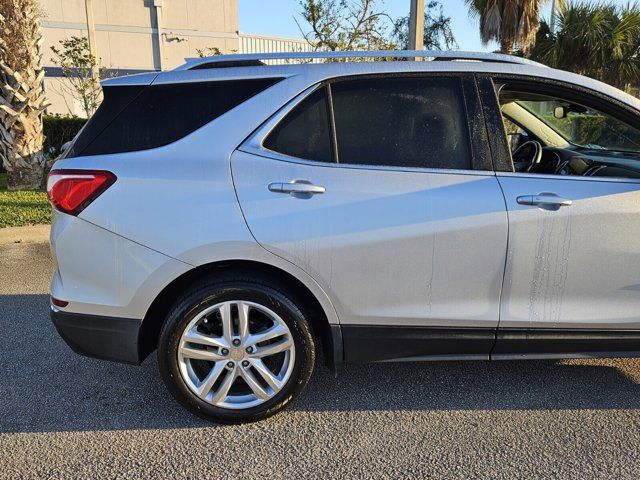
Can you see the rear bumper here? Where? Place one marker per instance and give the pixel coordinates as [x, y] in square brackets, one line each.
[108, 338]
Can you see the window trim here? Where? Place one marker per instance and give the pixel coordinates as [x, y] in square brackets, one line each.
[490, 84]
[477, 134]
[570, 178]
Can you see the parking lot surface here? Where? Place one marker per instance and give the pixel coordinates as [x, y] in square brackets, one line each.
[62, 415]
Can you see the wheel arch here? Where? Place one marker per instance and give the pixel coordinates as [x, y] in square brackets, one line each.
[322, 315]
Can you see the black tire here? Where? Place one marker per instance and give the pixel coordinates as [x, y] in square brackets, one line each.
[211, 292]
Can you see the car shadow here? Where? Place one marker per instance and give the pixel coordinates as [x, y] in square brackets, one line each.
[44, 386]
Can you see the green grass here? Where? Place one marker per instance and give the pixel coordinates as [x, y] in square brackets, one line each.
[22, 208]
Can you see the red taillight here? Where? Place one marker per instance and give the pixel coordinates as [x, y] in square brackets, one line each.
[56, 302]
[71, 191]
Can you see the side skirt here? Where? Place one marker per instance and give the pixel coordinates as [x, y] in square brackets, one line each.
[369, 343]
[517, 343]
[375, 343]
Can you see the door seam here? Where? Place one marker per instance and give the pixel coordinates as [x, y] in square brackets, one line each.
[504, 272]
[246, 223]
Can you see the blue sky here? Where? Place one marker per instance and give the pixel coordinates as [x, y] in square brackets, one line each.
[276, 17]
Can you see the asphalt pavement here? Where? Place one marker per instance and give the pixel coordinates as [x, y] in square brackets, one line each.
[63, 415]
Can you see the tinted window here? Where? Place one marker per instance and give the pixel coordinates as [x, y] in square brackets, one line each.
[304, 132]
[407, 122]
[160, 114]
[114, 101]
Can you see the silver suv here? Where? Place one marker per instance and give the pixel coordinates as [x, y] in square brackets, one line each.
[245, 215]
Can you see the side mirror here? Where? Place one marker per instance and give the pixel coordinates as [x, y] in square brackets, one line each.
[560, 112]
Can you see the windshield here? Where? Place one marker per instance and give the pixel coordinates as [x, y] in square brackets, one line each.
[584, 127]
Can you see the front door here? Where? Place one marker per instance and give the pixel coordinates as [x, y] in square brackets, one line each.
[572, 279]
[396, 218]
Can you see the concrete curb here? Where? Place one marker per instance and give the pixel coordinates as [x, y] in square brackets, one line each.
[30, 234]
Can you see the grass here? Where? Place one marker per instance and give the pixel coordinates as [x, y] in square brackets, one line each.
[22, 208]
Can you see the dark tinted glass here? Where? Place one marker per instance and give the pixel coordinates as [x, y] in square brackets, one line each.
[406, 122]
[304, 132]
[114, 101]
[162, 114]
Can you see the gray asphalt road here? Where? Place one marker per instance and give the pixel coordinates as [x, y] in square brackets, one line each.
[62, 415]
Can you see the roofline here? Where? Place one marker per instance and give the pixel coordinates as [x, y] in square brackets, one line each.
[450, 55]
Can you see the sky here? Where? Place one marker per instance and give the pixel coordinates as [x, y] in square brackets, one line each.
[276, 18]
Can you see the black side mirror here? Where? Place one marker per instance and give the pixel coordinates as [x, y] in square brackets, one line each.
[560, 112]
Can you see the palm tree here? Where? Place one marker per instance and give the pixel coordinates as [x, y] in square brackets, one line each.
[512, 23]
[600, 40]
[22, 99]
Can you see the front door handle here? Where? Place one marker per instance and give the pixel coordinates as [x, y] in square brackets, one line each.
[297, 188]
[548, 201]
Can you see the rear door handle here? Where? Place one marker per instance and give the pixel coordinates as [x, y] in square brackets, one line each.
[549, 201]
[297, 188]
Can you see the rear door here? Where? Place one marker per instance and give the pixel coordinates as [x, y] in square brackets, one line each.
[381, 189]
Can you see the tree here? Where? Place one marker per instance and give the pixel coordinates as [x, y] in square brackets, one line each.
[208, 52]
[512, 23]
[363, 25]
[81, 71]
[598, 40]
[346, 25]
[438, 34]
[22, 99]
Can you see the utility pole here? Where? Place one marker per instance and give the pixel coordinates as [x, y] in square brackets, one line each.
[553, 16]
[157, 4]
[416, 25]
[91, 34]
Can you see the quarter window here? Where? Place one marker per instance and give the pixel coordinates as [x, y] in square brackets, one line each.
[140, 118]
[304, 132]
[403, 122]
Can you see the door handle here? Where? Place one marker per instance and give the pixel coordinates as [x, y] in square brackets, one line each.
[549, 201]
[297, 188]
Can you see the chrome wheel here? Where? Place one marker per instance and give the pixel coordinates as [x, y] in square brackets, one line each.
[236, 354]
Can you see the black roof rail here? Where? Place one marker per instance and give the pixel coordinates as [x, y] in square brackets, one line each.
[259, 59]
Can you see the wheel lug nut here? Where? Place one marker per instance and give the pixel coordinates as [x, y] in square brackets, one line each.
[249, 349]
[230, 364]
[236, 342]
[245, 363]
[224, 351]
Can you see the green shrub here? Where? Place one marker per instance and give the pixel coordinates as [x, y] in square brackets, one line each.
[58, 130]
[585, 129]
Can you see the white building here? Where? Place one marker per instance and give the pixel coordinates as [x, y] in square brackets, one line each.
[131, 36]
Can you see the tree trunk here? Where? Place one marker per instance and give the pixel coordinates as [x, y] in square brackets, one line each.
[29, 175]
[506, 46]
[22, 99]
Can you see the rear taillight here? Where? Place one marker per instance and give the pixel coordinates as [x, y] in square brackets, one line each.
[71, 191]
[56, 302]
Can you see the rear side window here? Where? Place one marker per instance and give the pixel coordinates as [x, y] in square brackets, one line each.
[304, 132]
[139, 119]
[404, 122]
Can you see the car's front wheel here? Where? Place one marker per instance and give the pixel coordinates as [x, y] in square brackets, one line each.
[236, 350]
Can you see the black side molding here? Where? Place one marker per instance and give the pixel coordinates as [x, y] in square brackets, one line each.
[107, 338]
[369, 343]
[558, 343]
[334, 356]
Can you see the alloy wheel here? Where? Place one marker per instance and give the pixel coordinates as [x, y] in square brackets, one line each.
[236, 354]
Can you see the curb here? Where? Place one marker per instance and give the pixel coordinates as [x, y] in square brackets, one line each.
[30, 234]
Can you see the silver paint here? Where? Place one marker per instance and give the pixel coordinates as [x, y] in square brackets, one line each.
[381, 245]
